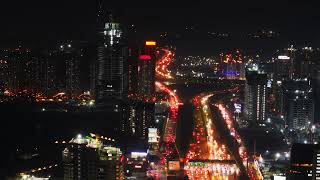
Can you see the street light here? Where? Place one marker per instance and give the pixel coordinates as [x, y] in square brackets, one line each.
[268, 120]
[287, 155]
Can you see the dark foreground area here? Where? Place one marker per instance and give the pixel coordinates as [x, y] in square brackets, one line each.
[28, 138]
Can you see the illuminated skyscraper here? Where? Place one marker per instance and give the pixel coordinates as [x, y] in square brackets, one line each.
[255, 94]
[282, 68]
[112, 65]
[141, 117]
[88, 158]
[298, 104]
[295, 64]
[141, 110]
[146, 69]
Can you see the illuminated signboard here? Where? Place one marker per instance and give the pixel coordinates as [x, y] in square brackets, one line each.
[150, 43]
[174, 165]
[237, 108]
[145, 57]
[152, 135]
[136, 155]
[283, 57]
[275, 177]
[269, 83]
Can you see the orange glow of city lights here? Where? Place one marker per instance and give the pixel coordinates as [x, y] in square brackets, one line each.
[151, 43]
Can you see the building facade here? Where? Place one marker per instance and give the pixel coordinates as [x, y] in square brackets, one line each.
[255, 94]
[87, 158]
[146, 69]
[111, 66]
[298, 104]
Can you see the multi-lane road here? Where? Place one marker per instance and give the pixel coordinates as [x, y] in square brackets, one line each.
[162, 64]
[216, 150]
[208, 157]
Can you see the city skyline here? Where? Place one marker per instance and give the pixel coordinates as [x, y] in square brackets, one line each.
[97, 90]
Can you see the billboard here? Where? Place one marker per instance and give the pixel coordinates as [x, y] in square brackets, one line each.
[145, 57]
[151, 43]
[153, 135]
[279, 177]
[237, 108]
[136, 155]
[283, 57]
[174, 165]
[269, 83]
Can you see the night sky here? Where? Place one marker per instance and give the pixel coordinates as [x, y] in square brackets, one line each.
[41, 22]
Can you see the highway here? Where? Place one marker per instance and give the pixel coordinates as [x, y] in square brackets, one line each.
[206, 146]
[168, 148]
[216, 150]
[169, 135]
[216, 143]
[162, 64]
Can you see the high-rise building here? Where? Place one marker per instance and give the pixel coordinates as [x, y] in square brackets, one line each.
[316, 91]
[298, 104]
[304, 64]
[4, 74]
[255, 94]
[141, 117]
[275, 99]
[88, 158]
[282, 68]
[142, 87]
[233, 66]
[304, 162]
[17, 64]
[25, 70]
[66, 61]
[294, 64]
[71, 56]
[146, 69]
[112, 65]
[92, 76]
[142, 110]
[133, 71]
[39, 73]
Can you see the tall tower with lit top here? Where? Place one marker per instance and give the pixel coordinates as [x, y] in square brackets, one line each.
[111, 67]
